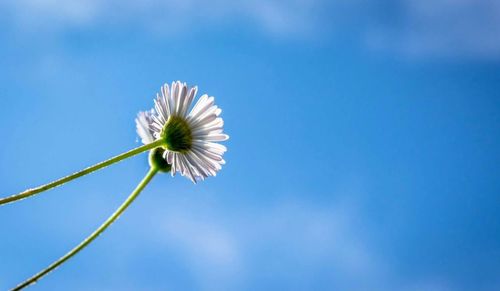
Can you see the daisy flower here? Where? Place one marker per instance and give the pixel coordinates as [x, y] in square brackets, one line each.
[190, 135]
[179, 139]
[142, 122]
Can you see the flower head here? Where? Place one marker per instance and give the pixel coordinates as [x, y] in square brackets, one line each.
[190, 136]
[142, 122]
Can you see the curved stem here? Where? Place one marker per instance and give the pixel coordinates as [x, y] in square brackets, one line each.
[152, 172]
[56, 183]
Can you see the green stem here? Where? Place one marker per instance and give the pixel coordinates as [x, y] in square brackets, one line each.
[33, 191]
[152, 172]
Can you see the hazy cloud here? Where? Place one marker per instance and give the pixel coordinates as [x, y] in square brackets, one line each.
[453, 28]
[458, 28]
[277, 17]
[229, 250]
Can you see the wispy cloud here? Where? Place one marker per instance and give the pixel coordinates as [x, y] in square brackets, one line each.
[418, 28]
[277, 17]
[289, 245]
[32, 14]
[464, 28]
[314, 243]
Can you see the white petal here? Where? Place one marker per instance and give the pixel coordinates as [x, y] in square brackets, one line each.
[211, 165]
[181, 98]
[158, 119]
[142, 126]
[210, 146]
[216, 137]
[188, 100]
[214, 125]
[174, 96]
[201, 109]
[170, 157]
[156, 126]
[197, 164]
[160, 109]
[198, 105]
[167, 93]
[211, 155]
[188, 169]
[206, 119]
[174, 165]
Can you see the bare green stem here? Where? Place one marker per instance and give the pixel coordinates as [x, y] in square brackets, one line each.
[59, 182]
[152, 172]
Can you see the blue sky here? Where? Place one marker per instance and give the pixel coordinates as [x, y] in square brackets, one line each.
[364, 144]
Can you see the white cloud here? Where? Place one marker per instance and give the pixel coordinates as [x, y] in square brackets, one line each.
[202, 241]
[39, 14]
[234, 248]
[409, 27]
[277, 17]
[451, 28]
[286, 244]
[296, 242]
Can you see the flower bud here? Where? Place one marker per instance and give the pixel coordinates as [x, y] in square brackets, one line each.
[156, 160]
